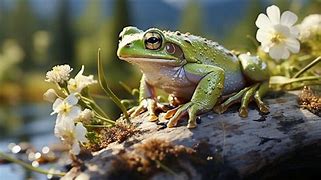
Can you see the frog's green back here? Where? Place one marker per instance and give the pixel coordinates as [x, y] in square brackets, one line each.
[200, 50]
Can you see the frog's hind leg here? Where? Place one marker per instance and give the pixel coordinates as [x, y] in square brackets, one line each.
[221, 108]
[264, 87]
[245, 96]
[255, 70]
[248, 95]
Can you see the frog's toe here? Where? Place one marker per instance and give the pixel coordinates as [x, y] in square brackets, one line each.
[180, 112]
[243, 112]
[169, 114]
[220, 109]
[192, 110]
[149, 105]
[191, 125]
[264, 108]
[152, 117]
[257, 97]
[135, 111]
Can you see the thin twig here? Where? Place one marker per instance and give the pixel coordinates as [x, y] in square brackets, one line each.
[307, 67]
[161, 165]
[28, 166]
[253, 40]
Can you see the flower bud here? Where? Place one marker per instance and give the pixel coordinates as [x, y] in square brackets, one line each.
[50, 95]
[86, 115]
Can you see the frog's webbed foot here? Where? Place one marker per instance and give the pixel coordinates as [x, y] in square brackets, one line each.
[189, 108]
[149, 105]
[255, 91]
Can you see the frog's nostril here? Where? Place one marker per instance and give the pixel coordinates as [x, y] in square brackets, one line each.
[129, 45]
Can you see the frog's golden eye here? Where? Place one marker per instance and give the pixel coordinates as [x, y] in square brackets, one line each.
[153, 40]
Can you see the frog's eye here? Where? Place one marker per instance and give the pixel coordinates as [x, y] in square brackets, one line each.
[170, 48]
[174, 50]
[153, 40]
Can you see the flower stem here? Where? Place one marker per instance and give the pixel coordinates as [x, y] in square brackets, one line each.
[105, 119]
[28, 166]
[97, 126]
[103, 84]
[253, 40]
[98, 96]
[161, 165]
[308, 78]
[307, 67]
[95, 106]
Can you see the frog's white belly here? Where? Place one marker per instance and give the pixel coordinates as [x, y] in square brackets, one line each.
[175, 80]
[171, 79]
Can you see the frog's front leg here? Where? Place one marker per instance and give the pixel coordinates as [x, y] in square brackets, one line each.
[206, 94]
[148, 102]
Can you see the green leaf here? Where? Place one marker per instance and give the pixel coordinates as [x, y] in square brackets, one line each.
[107, 90]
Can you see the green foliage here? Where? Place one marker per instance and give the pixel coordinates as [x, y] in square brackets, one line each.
[20, 25]
[64, 38]
[240, 36]
[120, 19]
[191, 18]
[107, 90]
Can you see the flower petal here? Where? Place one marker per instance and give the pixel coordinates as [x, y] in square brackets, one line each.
[80, 72]
[262, 35]
[293, 45]
[72, 99]
[75, 149]
[286, 54]
[63, 127]
[284, 30]
[74, 113]
[55, 105]
[262, 21]
[266, 46]
[273, 13]
[288, 18]
[295, 31]
[278, 52]
[80, 133]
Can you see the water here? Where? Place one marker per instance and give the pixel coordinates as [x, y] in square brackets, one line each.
[36, 126]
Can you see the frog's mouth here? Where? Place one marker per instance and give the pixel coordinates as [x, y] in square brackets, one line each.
[138, 60]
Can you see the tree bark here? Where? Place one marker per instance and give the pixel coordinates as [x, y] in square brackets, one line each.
[250, 147]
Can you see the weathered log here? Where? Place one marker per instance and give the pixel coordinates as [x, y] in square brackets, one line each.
[249, 147]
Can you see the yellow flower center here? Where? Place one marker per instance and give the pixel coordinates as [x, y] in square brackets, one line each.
[277, 38]
[65, 108]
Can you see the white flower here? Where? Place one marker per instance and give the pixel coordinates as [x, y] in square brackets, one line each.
[50, 95]
[310, 28]
[59, 74]
[80, 81]
[277, 34]
[86, 115]
[66, 108]
[71, 134]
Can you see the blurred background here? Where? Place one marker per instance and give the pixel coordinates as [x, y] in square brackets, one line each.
[38, 34]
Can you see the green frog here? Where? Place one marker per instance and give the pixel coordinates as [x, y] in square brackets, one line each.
[200, 75]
